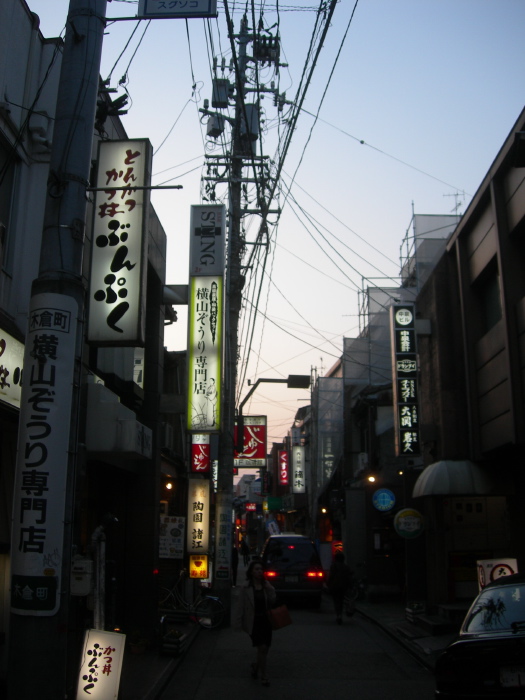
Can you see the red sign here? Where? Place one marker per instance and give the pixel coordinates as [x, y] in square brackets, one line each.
[282, 457]
[251, 506]
[200, 453]
[254, 443]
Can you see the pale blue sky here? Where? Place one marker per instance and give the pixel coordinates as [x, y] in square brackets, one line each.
[431, 86]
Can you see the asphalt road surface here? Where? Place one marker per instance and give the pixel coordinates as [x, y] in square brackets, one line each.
[312, 659]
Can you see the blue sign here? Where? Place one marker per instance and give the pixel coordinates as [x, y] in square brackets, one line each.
[383, 499]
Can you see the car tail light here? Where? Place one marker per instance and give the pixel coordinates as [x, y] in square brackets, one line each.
[270, 574]
[314, 574]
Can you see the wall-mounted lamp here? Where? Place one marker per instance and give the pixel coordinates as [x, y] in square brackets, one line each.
[169, 485]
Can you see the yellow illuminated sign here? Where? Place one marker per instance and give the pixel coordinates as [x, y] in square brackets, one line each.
[198, 566]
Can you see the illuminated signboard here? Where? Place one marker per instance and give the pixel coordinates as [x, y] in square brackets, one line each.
[198, 566]
[282, 457]
[164, 9]
[254, 442]
[101, 665]
[11, 364]
[298, 469]
[197, 539]
[119, 251]
[200, 453]
[404, 375]
[205, 354]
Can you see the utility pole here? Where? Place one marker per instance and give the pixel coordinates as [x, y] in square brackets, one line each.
[243, 142]
[233, 303]
[39, 640]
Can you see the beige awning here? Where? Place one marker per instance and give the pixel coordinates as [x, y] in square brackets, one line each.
[453, 478]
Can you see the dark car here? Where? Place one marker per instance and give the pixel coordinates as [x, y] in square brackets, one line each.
[488, 658]
[292, 565]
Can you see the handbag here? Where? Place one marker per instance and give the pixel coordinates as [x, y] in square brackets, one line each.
[279, 617]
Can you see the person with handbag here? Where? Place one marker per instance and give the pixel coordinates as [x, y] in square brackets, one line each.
[256, 598]
[340, 579]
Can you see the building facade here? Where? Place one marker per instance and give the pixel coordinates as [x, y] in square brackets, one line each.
[118, 467]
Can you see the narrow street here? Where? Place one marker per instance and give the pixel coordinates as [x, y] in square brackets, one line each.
[311, 659]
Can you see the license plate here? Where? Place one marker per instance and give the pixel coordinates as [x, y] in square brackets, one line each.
[292, 579]
[512, 676]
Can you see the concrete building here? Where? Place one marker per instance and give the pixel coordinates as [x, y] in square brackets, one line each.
[121, 435]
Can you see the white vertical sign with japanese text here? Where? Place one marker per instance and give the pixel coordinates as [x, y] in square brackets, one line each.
[298, 470]
[205, 354]
[223, 545]
[101, 665]
[198, 537]
[43, 455]
[117, 298]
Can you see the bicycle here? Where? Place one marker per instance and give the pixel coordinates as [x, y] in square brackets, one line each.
[209, 611]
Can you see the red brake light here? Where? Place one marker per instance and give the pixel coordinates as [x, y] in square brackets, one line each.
[315, 574]
[270, 574]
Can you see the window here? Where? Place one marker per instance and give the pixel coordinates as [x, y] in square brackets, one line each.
[488, 292]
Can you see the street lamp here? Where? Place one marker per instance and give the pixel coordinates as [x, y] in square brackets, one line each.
[293, 381]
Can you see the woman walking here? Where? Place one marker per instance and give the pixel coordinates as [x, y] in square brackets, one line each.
[340, 580]
[256, 597]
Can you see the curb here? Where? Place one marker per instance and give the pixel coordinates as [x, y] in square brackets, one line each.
[425, 661]
[164, 678]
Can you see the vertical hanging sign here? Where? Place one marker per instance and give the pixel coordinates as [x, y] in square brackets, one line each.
[198, 516]
[117, 297]
[404, 374]
[205, 317]
[200, 453]
[298, 470]
[282, 458]
[43, 452]
[253, 444]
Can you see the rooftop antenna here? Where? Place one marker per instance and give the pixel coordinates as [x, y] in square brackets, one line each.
[459, 197]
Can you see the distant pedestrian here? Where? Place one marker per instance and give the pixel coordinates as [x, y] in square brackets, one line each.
[235, 565]
[251, 615]
[245, 551]
[340, 580]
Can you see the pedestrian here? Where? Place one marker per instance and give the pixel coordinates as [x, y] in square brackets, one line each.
[235, 564]
[245, 551]
[257, 596]
[340, 580]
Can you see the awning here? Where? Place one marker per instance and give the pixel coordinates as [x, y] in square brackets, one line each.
[453, 478]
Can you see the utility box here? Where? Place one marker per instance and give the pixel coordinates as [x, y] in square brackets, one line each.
[250, 122]
[215, 126]
[220, 93]
[81, 576]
